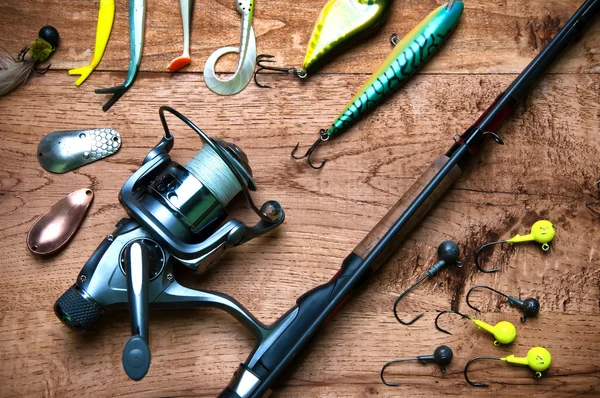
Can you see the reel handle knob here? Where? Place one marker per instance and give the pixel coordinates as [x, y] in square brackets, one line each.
[136, 354]
[272, 210]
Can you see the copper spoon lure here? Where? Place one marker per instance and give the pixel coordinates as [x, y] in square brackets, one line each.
[53, 230]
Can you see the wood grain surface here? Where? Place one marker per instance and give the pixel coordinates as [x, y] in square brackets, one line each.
[549, 168]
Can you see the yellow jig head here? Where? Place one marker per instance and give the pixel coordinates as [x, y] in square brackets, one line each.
[504, 332]
[538, 359]
[542, 231]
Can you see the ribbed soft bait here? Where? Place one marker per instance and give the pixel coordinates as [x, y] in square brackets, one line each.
[408, 55]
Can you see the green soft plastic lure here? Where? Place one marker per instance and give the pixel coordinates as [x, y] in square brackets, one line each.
[408, 55]
[340, 24]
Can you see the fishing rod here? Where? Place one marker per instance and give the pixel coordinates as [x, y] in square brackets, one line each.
[279, 343]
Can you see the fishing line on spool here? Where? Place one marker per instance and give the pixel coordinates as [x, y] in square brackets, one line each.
[208, 167]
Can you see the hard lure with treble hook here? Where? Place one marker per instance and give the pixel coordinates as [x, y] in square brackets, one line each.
[137, 21]
[247, 56]
[340, 24]
[408, 55]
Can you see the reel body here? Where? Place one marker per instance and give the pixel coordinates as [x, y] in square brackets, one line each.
[178, 215]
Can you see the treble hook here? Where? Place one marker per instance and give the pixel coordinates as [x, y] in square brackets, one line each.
[530, 306]
[538, 359]
[265, 58]
[542, 231]
[322, 137]
[448, 253]
[504, 332]
[442, 356]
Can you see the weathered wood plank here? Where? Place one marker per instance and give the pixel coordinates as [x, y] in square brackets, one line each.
[493, 36]
[548, 168]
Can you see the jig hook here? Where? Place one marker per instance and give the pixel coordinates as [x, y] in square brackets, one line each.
[538, 359]
[262, 59]
[442, 356]
[322, 137]
[504, 332]
[542, 231]
[530, 306]
[448, 253]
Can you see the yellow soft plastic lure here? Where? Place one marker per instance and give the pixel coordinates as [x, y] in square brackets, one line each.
[106, 17]
[247, 56]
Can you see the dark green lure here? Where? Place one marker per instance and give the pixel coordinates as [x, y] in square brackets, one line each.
[408, 55]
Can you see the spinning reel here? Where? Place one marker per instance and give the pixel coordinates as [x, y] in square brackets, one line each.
[177, 216]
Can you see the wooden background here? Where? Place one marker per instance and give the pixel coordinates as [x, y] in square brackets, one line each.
[548, 168]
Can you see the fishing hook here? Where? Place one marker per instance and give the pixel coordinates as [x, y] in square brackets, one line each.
[448, 253]
[530, 306]
[322, 137]
[479, 267]
[466, 371]
[538, 359]
[451, 312]
[504, 332]
[442, 356]
[262, 59]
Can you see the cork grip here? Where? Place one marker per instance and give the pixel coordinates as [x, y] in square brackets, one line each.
[367, 244]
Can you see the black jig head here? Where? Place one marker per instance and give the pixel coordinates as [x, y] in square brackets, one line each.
[448, 253]
[442, 356]
[530, 306]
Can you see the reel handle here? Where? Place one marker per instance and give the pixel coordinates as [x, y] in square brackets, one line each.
[136, 354]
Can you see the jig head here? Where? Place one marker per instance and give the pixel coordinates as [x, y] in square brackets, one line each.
[530, 306]
[442, 356]
[538, 359]
[448, 253]
[341, 23]
[504, 332]
[184, 59]
[542, 231]
[55, 228]
[137, 23]
[16, 71]
[106, 17]
[247, 56]
[408, 55]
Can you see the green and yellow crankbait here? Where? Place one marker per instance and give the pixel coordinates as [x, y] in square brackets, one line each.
[341, 23]
[408, 55]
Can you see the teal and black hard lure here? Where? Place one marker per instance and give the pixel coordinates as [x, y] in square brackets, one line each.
[408, 55]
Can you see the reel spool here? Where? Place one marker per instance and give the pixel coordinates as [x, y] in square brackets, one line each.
[184, 207]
